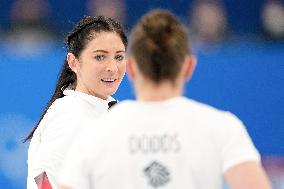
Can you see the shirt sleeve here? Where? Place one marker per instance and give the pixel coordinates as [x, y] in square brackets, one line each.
[56, 141]
[75, 172]
[237, 145]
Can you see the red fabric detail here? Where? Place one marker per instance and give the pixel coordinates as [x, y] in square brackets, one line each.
[42, 181]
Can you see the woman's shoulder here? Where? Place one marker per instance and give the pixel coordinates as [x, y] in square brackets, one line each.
[65, 107]
[66, 110]
[68, 104]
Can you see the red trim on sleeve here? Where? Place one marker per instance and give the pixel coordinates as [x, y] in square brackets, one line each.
[42, 181]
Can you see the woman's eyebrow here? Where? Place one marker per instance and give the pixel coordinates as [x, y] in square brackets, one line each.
[99, 50]
[121, 51]
[104, 51]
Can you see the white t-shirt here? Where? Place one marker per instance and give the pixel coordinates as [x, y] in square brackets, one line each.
[178, 143]
[62, 123]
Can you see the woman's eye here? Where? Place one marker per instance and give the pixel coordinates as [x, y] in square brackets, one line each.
[119, 57]
[99, 57]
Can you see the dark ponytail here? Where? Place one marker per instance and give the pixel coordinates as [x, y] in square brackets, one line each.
[76, 41]
[66, 78]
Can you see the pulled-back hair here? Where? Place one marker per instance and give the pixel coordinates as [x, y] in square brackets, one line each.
[159, 44]
[76, 41]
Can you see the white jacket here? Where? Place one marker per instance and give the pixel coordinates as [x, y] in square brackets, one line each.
[173, 144]
[56, 132]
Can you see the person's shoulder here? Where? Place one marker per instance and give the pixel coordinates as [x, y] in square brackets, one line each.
[199, 107]
[111, 121]
[68, 101]
[68, 104]
[209, 113]
[122, 108]
[124, 103]
[65, 111]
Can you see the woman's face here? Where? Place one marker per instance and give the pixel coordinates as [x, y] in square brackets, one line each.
[101, 65]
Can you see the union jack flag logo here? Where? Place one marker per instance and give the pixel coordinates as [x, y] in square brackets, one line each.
[157, 174]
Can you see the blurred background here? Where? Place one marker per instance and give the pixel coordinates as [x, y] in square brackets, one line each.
[239, 46]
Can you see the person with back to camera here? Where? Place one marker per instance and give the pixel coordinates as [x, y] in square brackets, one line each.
[163, 140]
[94, 67]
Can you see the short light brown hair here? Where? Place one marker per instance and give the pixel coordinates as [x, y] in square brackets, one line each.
[159, 44]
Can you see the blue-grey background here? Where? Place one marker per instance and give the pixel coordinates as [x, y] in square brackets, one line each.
[243, 74]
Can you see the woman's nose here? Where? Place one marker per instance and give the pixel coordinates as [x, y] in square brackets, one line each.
[112, 66]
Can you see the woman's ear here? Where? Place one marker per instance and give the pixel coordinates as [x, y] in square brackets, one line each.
[189, 66]
[72, 62]
[130, 66]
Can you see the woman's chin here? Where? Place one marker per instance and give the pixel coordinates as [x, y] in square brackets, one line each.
[110, 91]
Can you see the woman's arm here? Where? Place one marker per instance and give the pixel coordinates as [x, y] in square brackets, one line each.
[247, 175]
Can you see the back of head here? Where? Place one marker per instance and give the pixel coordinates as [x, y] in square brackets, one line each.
[159, 45]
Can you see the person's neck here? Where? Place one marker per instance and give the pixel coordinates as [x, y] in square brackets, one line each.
[149, 91]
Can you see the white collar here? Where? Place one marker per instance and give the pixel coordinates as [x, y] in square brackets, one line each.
[94, 101]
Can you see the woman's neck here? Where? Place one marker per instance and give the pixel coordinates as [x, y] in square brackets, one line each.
[149, 91]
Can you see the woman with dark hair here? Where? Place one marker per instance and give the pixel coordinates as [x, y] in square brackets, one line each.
[94, 67]
[163, 140]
